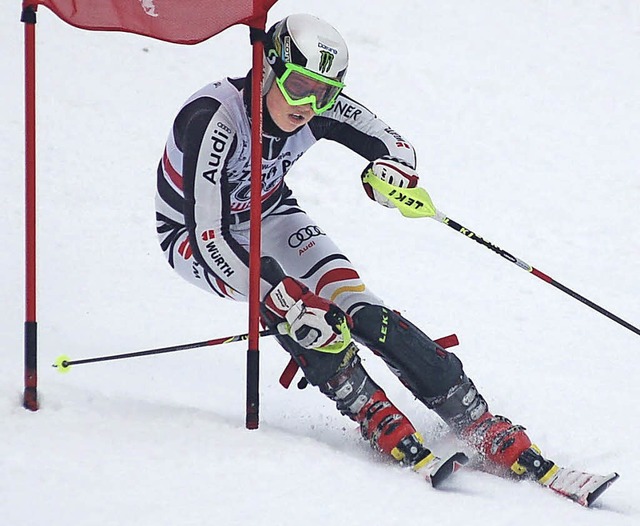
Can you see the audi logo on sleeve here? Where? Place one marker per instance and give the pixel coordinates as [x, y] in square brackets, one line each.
[304, 234]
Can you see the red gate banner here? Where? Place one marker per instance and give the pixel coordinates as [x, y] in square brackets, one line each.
[179, 21]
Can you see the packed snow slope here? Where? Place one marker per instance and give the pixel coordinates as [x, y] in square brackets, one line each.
[526, 118]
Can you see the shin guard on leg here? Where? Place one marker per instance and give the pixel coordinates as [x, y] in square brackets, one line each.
[422, 365]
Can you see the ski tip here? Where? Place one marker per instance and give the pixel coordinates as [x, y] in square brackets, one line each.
[609, 479]
[459, 460]
[447, 468]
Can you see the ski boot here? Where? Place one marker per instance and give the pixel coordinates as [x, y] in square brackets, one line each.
[505, 449]
[506, 445]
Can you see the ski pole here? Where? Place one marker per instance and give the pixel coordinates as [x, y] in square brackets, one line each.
[63, 363]
[416, 202]
[544, 277]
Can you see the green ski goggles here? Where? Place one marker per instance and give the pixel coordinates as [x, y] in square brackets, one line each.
[300, 86]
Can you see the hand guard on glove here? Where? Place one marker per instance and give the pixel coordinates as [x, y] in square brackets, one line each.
[391, 171]
[311, 321]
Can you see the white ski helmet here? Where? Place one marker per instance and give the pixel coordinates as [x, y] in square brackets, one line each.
[309, 46]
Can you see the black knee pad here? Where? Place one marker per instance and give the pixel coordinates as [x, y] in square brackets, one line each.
[422, 365]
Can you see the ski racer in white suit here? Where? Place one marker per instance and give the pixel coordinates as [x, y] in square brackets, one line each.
[308, 284]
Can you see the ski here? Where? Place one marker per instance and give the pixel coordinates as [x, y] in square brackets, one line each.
[578, 486]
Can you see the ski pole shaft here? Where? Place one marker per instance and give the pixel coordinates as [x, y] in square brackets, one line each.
[63, 363]
[544, 277]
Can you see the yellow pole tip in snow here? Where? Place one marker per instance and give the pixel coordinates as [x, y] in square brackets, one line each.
[62, 364]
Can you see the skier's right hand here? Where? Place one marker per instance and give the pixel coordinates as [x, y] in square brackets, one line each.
[313, 322]
[392, 171]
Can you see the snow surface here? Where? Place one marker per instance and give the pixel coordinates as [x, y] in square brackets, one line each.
[526, 117]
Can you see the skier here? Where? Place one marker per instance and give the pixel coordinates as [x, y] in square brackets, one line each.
[202, 213]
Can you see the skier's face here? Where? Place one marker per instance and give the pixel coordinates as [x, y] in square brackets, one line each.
[288, 118]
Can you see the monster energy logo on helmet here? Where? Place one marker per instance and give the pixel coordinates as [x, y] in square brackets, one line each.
[298, 38]
[326, 59]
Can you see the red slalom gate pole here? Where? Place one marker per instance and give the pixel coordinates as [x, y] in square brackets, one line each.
[257, 36]
[30, 397]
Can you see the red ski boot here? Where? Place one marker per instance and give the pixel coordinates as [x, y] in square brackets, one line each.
[390, 431]
[498, 440]
[382, 424]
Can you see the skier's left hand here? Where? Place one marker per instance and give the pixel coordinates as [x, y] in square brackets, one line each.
[313, 322]
[391, 171]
